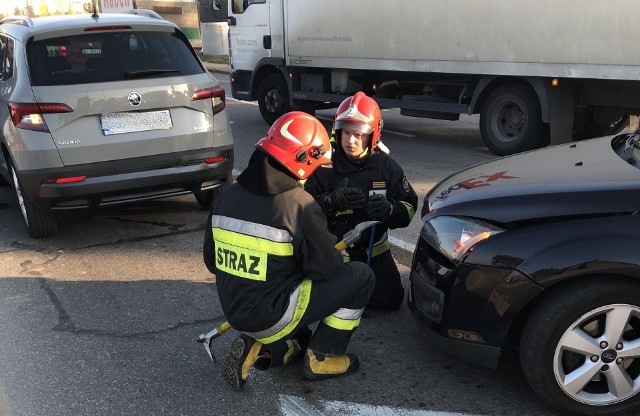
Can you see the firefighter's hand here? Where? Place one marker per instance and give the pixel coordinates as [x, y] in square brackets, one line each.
[379, 207]
[342, 199]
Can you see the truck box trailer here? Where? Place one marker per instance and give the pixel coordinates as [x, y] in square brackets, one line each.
[537, 72]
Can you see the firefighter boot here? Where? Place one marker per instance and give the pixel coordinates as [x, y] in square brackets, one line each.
[320, 366]
[283, 352]
[243, 353]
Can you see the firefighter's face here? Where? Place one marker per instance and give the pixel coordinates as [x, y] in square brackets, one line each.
[355, 143]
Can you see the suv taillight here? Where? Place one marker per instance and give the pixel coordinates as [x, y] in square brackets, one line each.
[215, 93]
[29, 115]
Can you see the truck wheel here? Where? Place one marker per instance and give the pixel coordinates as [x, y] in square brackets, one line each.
[511, 121]
[579, 348]
[593, 129]
[39, 223]
[273, 98]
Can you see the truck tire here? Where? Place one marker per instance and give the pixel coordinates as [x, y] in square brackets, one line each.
[511, 121]
[273, 98]
[592, 129]
[39, 223]
[577, 348]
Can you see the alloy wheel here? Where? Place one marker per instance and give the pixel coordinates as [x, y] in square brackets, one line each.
[597, 359]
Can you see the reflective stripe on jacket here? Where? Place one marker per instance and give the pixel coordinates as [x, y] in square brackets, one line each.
[262, 249]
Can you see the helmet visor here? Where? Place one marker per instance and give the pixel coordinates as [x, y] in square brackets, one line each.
[353, 126]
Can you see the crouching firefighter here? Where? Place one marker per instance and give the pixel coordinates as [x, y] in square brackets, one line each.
[276, 267]
[365, 183]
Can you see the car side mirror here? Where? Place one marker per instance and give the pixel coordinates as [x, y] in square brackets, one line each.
[220, 9]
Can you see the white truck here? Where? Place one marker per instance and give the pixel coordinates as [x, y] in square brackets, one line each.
[538, 72]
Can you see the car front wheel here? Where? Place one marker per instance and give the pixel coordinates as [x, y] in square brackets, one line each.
[580, 349]
[39, 223]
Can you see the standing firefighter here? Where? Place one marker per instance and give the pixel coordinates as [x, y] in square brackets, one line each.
[365, 184]
[276, 267]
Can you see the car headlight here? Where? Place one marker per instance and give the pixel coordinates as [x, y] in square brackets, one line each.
[455, 236]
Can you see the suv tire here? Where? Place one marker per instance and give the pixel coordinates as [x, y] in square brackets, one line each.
[206, 198]
[39, 223]
[573, 352]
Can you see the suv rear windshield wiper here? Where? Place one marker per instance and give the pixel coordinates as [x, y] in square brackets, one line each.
[149, 72]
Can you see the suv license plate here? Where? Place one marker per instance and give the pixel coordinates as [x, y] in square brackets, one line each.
[117, 123]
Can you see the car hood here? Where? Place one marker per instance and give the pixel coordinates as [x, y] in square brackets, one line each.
[576, 179]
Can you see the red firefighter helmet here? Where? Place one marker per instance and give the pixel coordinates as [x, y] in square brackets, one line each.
[360, 113]
[299, 142]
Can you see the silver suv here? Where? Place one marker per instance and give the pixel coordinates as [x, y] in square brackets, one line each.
[98, 110]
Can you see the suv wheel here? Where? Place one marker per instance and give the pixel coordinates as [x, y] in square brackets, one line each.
[206, 198]
[580, 348]
[39, 223]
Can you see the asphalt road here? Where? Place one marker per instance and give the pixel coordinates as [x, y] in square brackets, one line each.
[102, 317]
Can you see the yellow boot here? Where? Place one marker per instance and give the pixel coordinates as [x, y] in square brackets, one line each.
[320, 366]
[243, 354]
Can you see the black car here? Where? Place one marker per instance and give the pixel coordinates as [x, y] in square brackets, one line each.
[540, 252]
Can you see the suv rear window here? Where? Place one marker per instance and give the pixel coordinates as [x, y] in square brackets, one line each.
[105, 57]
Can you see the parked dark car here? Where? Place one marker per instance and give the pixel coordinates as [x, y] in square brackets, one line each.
[540, 252]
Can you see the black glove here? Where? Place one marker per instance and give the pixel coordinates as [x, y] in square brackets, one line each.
[343, 198]
[379, 207]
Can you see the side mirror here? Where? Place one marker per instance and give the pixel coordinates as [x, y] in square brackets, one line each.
[220, 9]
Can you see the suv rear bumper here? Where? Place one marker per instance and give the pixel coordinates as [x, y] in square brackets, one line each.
[130, 180]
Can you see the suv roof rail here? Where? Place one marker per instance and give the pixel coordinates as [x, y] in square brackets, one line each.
[144, 12]
[18, 20]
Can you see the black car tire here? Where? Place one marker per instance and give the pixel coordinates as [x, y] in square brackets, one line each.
[206, 198]
[273, 98]
[39, 223]
[575, 319]
[511, 120]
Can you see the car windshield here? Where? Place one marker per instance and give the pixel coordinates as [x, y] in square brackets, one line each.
[111, 56]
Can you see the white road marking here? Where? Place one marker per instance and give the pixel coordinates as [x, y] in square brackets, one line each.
[401, 244]
[296, 406]
[5, 409]
[242, 101]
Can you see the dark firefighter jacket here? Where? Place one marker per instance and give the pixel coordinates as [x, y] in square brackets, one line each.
[264, 235]
[378, 173]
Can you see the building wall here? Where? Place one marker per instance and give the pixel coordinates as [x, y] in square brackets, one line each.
[183, 13]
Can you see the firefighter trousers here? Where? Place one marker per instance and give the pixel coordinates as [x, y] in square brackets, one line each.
[337, 304]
